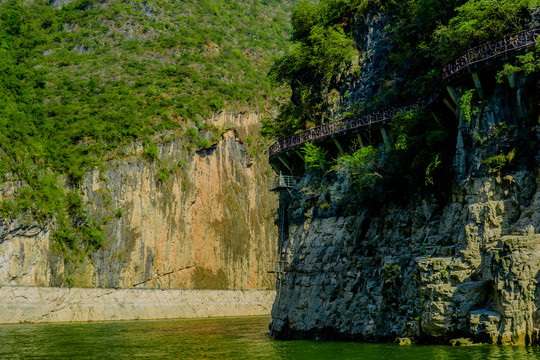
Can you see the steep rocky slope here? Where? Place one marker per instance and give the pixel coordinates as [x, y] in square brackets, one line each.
[84, 80]
[207, 224]
[426, 269]
[129, 153]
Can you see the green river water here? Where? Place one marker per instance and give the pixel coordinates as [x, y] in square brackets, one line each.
[227, 338]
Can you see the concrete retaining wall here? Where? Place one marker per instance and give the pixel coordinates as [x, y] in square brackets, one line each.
[41, 304]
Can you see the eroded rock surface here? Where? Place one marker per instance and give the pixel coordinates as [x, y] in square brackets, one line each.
[422, 272]
[432, 270]
[207, 224]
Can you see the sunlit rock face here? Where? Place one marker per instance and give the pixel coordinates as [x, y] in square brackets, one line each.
[206, 224]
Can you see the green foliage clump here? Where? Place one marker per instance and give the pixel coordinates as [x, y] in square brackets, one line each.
[315, 158]
[42, 196]
[362, 167]
[465, 106]
[477, 22]
[431, 169]
[150, 150]
[181, 163]
[77, 237]
[192, 134]
[525, 64]
[163, 174]
[495, 163]
[45, 200]
[322, 50]
[204, 144]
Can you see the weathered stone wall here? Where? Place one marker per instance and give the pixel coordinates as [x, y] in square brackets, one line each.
[372, 38]
[42, 304]
[208, 224]
[431, 270]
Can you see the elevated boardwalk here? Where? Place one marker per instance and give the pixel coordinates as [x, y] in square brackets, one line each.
[451, 72]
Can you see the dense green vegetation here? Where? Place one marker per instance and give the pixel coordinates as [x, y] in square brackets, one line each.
[322, 50]
[423, 36]
[78, 81]
[362, 166]
[91, 75]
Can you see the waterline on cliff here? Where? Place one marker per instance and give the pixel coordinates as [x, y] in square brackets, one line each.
[40, 304]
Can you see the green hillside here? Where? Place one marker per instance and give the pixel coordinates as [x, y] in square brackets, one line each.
[78, 80]
[101, 72]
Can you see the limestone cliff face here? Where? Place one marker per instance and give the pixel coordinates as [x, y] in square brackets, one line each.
[207, 224]
[429, 270]
[373, 40]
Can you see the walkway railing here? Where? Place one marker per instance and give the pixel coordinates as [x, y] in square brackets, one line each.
[473, 56]
[490, 50]
[348, 124]
[286, 181]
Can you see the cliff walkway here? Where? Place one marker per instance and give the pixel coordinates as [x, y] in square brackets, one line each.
[511, 44]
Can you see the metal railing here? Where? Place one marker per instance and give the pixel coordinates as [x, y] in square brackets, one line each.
[285, 181]
[277, 266]
[473, 56]
[349, 124]
[490, 50]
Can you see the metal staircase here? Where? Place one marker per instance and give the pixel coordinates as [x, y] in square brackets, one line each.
[284, 185]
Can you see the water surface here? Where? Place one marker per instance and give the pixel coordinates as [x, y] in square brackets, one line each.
[228, 338]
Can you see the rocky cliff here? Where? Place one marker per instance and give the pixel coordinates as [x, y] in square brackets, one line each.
[189, 219]
[429, 267]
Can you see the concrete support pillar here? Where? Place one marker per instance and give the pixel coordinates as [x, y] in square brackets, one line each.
[447, 103]
[276, 169]
[434, 116]
[338, 145]
[285, 162]
[385, 137]
[453, 93]
[477, 84]
[360, 141]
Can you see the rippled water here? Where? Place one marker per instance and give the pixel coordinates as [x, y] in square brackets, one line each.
[232, 338]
